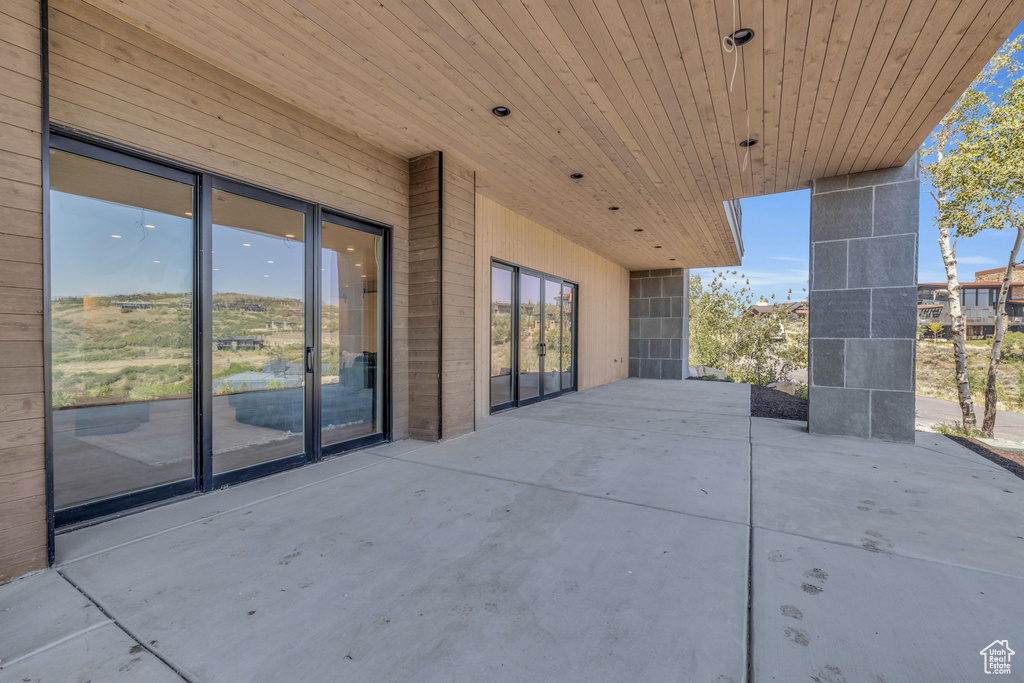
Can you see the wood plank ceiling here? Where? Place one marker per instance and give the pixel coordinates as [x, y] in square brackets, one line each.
[634, 94]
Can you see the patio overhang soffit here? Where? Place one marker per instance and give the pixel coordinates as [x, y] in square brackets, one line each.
[640, 96]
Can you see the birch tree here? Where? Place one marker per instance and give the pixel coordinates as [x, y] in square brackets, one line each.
[976, 154]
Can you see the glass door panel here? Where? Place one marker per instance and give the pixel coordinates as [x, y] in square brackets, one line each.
[567, 346]
[552, 336]
[258, 331]
[351, 314]
[121, 325]
[530, 331]
[501, 335]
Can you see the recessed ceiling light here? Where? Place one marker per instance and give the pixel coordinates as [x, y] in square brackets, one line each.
[150, 226]
[501, 111]
[350, 248]
[364, 276]
[246, 244]
[156, 262]
[269, 261]
[613, 208]
[116, 237]
[289, 235]
[266, 276]
[216, 269]
[188, 214]
[740, 37]
[749, 143]
[359, 265]
[576, 176]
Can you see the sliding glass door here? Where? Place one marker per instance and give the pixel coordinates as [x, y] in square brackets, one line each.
[204, 332]
[353, 270]
[533, 340]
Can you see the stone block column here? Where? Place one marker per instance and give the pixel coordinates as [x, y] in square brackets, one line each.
[659, 324]
[863, 304]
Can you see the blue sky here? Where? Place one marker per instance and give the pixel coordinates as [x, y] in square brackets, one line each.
[775, 237]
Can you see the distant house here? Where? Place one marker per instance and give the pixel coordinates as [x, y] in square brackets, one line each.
[978, 301]
[239, 344]
[794, 310]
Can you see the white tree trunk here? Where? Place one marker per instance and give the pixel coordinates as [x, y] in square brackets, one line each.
[958, 329]
[988, 425]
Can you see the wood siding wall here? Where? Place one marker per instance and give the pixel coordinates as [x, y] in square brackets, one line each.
[441, 306]
[114, 80]
[424, 298]
[603, 293]
[22, 464]
[458, 268]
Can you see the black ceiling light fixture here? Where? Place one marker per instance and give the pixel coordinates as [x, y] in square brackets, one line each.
[750, 142]
[671, 259]
[501, 111]
[657, 246]
[613, 208]
[638, 229]
[576, 176]
[740, 37]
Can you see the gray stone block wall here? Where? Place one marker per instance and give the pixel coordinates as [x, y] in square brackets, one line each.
[659, 324]
[863, 304]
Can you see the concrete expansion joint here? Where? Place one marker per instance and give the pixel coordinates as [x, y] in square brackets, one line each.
[448, 468]
[5, 663]
[845, 544]
[111, 619]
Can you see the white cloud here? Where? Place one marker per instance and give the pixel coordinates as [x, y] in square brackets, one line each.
[974, 260]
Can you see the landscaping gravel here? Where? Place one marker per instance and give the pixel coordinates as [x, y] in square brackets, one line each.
[765, 402]
[1010, 460]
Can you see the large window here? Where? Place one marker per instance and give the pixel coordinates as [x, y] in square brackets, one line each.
[121, 328]
[204, 331]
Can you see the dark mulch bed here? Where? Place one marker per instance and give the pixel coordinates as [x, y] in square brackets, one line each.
[1009, 460]
[765, 402]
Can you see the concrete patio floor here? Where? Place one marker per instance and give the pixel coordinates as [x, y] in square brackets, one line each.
[608, 535]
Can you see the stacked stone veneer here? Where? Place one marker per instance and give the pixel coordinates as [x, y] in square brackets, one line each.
[658, 324]
[863, 304]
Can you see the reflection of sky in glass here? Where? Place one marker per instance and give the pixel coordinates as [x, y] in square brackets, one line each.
[86, 260]
[529, 289]
[247, 270]
[501, 285]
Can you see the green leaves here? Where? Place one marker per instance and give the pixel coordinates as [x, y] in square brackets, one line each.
[726, 333]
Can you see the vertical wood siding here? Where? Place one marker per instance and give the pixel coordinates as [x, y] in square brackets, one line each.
[603, 293]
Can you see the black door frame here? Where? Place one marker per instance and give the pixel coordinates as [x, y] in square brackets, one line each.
[517, 401]
[203, 479]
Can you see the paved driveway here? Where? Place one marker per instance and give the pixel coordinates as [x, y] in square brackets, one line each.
[605, 536]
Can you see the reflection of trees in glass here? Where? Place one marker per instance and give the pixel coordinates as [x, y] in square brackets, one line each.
[529, 336]
[501, 338]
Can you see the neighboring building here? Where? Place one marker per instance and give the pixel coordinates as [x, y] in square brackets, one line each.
[796, 310]
[239, 343]
[380, 172]
[978, 300]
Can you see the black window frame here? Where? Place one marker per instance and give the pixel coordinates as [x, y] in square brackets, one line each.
[203, 478]
[517, 270]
